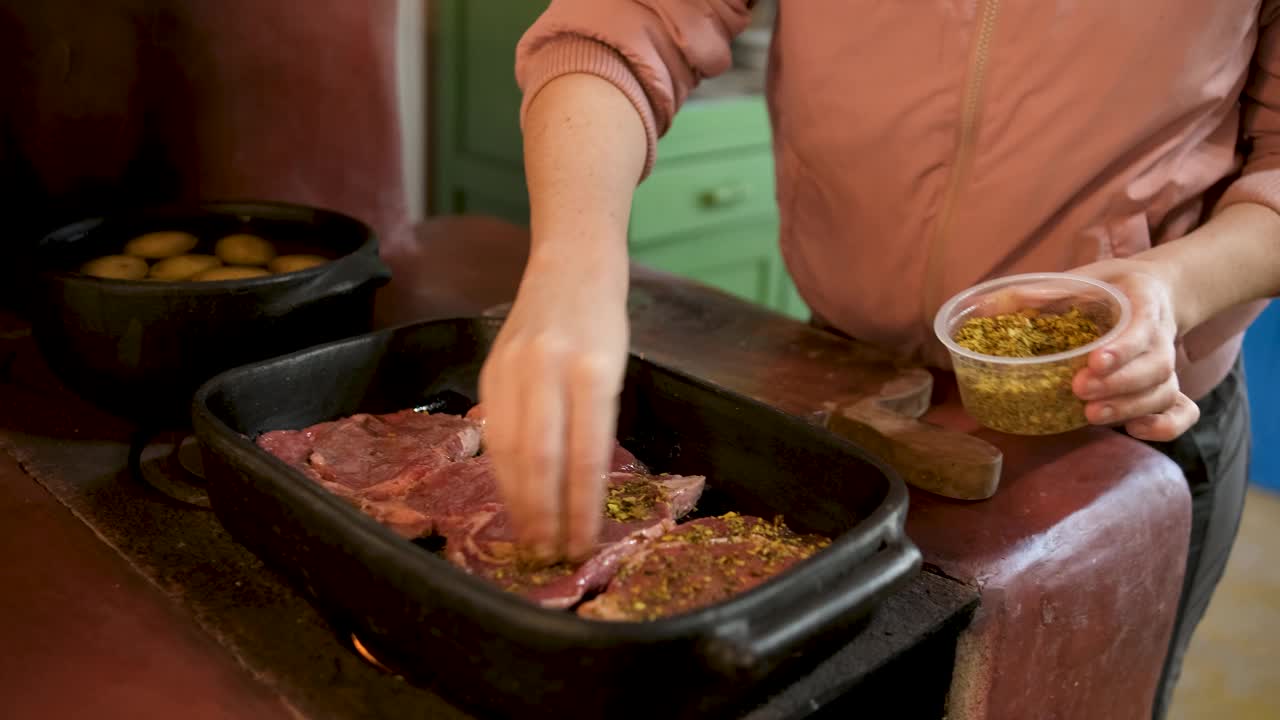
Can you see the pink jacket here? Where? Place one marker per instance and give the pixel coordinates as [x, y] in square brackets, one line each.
[922, 147]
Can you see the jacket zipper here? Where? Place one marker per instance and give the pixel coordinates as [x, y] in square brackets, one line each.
[988, 11]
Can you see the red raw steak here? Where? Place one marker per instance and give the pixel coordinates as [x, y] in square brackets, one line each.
[356, 453]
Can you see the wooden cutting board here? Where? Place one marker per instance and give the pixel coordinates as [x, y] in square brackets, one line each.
[848, 387]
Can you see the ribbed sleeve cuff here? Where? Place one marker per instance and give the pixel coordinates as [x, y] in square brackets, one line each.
[578, 54]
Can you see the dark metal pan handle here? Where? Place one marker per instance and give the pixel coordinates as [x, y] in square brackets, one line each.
[746, 650]
[345, 275]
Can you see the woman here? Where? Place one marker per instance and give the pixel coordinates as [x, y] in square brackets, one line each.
[921, 148]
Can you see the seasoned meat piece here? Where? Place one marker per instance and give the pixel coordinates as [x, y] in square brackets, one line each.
[357, 453]
[700, 563]
[634, 499]
[637, 507]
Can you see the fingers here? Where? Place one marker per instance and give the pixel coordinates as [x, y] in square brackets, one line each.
[1124, 408]
[549, 389]
[592, 418]
[1167, 425]
[1144, 395]
[550, 418]
[1133, 379]
[521, 392]
[1148, 370]
[1151, 328]
[1127, 347]
[538, 475]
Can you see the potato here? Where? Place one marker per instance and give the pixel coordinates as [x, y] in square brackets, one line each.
[181, 267]
[116, 267]
[157, 245]
[294, 263]
[229, 272]
[244, 249]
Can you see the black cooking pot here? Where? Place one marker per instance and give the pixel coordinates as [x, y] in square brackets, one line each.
[140, 348]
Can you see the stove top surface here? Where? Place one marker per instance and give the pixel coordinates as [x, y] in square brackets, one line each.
[169, 462]
[142, 494]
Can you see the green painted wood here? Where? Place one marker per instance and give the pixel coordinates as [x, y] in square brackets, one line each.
[489, 33]
[443, 104]
[690, 194]
[479, 183]
[713, 126]
[739, 259]
[473, 201]
[476, 149]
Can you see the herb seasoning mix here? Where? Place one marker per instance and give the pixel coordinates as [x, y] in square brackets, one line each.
[1025, 398]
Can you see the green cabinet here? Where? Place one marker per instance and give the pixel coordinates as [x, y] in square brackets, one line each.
[708, 210]
[473, 103]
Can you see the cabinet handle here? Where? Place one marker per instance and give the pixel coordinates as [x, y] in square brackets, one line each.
[723, 196]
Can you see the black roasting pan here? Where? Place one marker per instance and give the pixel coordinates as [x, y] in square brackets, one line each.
[497, 655]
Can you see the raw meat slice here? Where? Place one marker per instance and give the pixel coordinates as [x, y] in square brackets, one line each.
[624, 462]
[415, 505]
[291, 446]
[294, 447]
[362, 451]
[411, 509]
[700, 563]
[637, 507]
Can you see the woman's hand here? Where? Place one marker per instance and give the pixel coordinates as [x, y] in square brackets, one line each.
[551, 383]
[550, 390]
[1132, 379]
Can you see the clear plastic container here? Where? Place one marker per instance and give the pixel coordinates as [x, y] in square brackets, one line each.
[1028, 395]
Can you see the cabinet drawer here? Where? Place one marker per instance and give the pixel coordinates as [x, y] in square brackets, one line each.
[694, 195]
[741, 260]
[705, 127]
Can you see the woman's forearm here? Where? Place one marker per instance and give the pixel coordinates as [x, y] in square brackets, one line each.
[584, 151]
[1233, 258]
[551, 383]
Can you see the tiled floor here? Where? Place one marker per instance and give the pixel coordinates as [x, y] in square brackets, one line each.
[1232, 670]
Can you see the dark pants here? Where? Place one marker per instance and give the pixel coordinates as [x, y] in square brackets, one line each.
[1214, 457]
